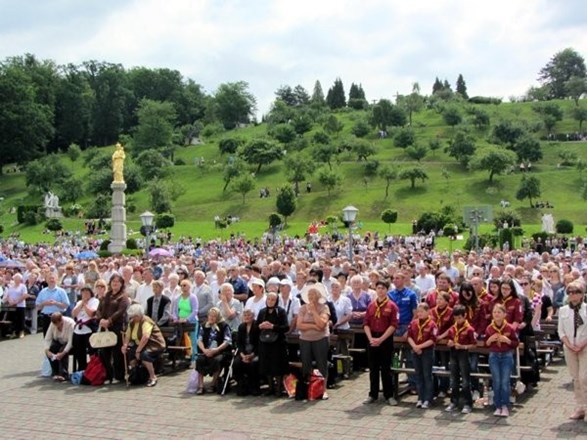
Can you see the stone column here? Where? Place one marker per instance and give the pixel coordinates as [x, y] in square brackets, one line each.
[118, 231]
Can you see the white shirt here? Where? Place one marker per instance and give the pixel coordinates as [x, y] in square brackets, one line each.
[93, 304]
[425, 283]
[255, 305]
[291, 307]
[566, 324]
[343, 307]
[144, 292]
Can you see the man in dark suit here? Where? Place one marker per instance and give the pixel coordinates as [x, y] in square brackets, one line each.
[159, 306]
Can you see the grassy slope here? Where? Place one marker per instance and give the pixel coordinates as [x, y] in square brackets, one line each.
[204, 198]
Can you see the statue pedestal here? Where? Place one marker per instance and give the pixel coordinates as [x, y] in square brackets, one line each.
[118, 231]
[53, 212]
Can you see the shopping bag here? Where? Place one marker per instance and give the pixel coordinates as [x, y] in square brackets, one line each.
[193, 381]
[317, 386]
[289, 385]
[46, 370]
[103, 339]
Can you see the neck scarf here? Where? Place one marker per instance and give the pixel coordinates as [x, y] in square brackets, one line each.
[499, 329]
[421, 328]
[577, 320]
[460, 330]
[379, 306]
[440, 314]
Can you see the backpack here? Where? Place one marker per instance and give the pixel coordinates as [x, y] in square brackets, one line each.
[95, 372]
[138, 375]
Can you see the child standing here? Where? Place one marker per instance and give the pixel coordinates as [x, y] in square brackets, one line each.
[422, 334]
[461, 338]
[501, 340]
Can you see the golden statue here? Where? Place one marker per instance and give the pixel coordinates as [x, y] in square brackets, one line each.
[118, 164]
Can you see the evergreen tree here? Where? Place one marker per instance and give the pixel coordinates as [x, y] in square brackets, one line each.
[335, 97]
[437, 86]
[356, 92]
[317, 98]
[462, 87]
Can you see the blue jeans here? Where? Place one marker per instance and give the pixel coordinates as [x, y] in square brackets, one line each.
[423, 375]
[501, 366]
[401, 330]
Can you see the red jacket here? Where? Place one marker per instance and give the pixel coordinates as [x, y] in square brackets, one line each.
[507, 330]
[462, 334]
[422, 332]
[443, 319]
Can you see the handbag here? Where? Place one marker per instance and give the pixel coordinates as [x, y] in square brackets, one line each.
[268, 336]
[103, 339]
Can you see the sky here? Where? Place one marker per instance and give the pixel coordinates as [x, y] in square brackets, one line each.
[498, 46]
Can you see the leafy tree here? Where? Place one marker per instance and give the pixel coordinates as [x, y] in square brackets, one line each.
[188, 132]
[233, 169]
[317, 99]
[100, 207]
[156, 126]
[462, 147]
[452, 115]
[164, 220]
[385, 114]
[260, 152]
[564, 226]
[329, 179]
[286, 94]
[404, 137]
[71, 189]
[389, 216]
[99, 180]
[297, 169]
[274, 221]
[481, 119]
[74, 152]
[388, 173]
[333, 126]
[493, 159]
[54, 224]
[335, 98]
[437, 86]
[283, 133]
[357, 104]
[462, 87]
[280, 113]
[528, 148]
[243, 184]
[324, 153]
[159, 196]
[320, 137]
[568, 157]
[371, 168]
[414, 102]
[362, 148]
[356, 92]
[229, 145]
[580, 115]
[529, 189]
[301, 96]
[576, 87]
[361, 128]
[234, 104]
[46, 174]
[434, 144]
[507, 133]
[563, 66]
[417, 152]
[301, 123]
[413, 174]
[152, 164]
[285, 201]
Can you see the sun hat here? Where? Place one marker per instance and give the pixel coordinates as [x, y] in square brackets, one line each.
[319, 287]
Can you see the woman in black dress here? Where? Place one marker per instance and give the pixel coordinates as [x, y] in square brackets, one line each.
[246, 363]
[273, 363]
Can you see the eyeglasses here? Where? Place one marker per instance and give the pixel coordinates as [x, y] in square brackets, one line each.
[570, 292]
[524, 284]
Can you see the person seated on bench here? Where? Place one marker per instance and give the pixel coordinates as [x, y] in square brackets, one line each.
[501, 338]
[58, 343]
[214, 344]
[142, 341]
[246, 364]
[159, 305]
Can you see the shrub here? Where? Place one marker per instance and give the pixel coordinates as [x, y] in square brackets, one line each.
[179, 161]
[131, 243]
[484, 240]
[358, 104]
[54, 224]
[450, 230]
[31, 218]
[22, 210]
[508, 216]
[506, 235]
[540, 235]
[104, 245]
[104, 253]
[484, 100]
[564, 226]
[274, 220]
[132, 252]
[1, 229]
[165, 220]
[371, 168]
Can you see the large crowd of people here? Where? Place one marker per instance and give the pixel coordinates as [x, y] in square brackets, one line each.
[259, 305]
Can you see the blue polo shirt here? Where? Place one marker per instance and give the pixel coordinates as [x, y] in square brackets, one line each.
[406, 301]
[58, 294]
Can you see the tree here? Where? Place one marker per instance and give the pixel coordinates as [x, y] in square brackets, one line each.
[362, 148]
[580, 115]
[320, 137]
[507, 133]
[297, 169]
[74, 152]
[528, 148]
[71, 189]
[283, 133]
[568, 157]
[333, 126]
[243, 184]
[260, 152]
[317, 99]
[452, 115]
[529, 189]
[152, 164]
[417, 152]
[481, 119]
[437, 86]
[233, 169]
[563, 66]
[301, 123]
[434, 144]
[164, 220]
[361, 128]
[576, 87]
[323, 153]
[384, 114]
[404, 137]
[100, 206]
[414, 102]
[462, 87]
[285, 201]
[462, 147]
[234, 104]
[388, 173]
[329, 179]
[156, 126]
[389, 216]
[412, 174]
[159, 196]
[46, 174]
[356, 92]
[229, 145]
[493, 159]
[335, 98]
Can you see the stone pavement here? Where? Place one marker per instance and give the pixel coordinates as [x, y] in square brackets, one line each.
[36, 408]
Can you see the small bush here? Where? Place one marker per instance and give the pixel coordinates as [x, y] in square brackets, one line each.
[274, 220]
[484, 100]
[179, 161]
[484, 240]
[22, 210]
[31, 218]
[131, 243]
[104, 245]
[104, 253]
[132, 252]
[564, 226]
[54, 224]
[165, 220]
[1, 229]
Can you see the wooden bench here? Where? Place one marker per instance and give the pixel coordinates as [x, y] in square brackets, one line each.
[176, 353]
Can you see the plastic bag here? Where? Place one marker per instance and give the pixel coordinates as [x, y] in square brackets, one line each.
[317, 386]
[46, 370]
[76, 377]
[289, 385]
[193, 382]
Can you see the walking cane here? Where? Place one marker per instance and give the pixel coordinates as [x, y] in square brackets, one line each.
[229, 374]
[126, 376]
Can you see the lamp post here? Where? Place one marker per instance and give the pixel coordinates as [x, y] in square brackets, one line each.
[476, 216]
[349, 214]
[147, 221]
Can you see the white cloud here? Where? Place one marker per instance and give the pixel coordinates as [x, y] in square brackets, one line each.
[386, 45]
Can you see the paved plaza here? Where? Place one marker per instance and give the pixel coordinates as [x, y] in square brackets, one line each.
[36, 408]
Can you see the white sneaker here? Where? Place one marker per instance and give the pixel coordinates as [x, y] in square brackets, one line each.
[450, 407]
[391, 401]
[419, 404]
[442, 395]
[476, 396]
[466, 410]
[425, 405]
